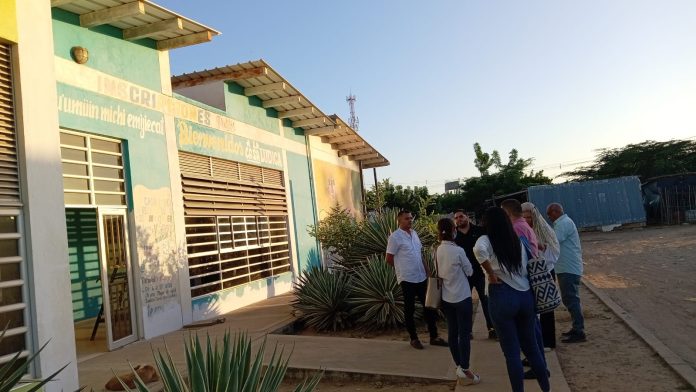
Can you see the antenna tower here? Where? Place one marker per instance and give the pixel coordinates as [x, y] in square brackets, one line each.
[353, 121]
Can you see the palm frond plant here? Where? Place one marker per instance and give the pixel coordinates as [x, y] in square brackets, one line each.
[321, 296]
[227, 367]
[11, 372]
[377, 297]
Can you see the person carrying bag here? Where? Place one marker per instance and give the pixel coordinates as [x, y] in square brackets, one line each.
[547, 297]
[452, 268]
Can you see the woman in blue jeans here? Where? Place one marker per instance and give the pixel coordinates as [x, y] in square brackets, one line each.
[453, 267]
[510, 298]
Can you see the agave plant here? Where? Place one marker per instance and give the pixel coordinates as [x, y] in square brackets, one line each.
[372, 238]
[11, 372]
[321, 296]
[377, 297]
[229, 367]
[428, 254]
[374, 233]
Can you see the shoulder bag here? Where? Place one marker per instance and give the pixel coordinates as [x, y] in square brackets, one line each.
[433, 296]
[546, 294]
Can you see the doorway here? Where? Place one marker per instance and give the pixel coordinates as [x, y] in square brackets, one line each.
[102, 280]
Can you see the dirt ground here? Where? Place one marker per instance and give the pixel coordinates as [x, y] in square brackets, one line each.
[650, 273]
[613, 358]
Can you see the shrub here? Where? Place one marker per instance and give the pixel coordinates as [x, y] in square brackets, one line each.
[229, 367]
[336, 232]
[322, 298]
[377, 297]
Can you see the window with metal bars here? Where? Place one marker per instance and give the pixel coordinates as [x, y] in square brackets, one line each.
[13, 309]
[236, 222]
[227, 251]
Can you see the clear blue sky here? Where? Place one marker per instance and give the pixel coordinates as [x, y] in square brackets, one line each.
[554, 79]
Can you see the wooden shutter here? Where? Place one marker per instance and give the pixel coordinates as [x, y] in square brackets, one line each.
[214, 186]
[9, 175]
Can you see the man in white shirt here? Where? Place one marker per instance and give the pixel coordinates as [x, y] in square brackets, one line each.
[404, 253]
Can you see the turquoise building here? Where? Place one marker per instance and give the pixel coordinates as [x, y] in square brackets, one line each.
[144, 202]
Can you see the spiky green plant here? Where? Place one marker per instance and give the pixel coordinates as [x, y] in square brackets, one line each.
[372, 238]
[377, 297]
[428, 254]
[374, 234]
[229, 367]
[321, 296]
[11, 372]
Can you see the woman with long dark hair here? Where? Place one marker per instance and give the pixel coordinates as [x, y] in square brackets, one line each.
[510, 298]
[453, 267]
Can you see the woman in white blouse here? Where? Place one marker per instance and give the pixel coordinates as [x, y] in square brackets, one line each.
[453, 267]
[510, 298]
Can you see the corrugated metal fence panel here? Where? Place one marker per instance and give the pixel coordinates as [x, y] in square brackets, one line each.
[594, 203]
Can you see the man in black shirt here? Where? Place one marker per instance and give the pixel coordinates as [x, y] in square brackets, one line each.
[467, 234]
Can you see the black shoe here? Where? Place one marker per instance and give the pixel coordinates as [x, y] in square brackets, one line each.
[415, 343]
[438, 342]
[575, 338]
[530, 375]
[492, 334]
[525, 362]
[570, 332]
[471, 336]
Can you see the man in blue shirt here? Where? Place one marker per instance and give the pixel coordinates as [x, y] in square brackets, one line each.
[569, 270]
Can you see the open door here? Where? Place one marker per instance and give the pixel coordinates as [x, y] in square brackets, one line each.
[116, 277]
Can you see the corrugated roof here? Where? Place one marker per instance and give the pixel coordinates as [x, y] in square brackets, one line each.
[261, 80]
[140, 19]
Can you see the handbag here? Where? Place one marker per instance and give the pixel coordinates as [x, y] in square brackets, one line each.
[547, 297]
[433, 295]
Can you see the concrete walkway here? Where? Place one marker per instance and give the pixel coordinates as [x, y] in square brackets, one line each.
[257, 320]
[341, 358]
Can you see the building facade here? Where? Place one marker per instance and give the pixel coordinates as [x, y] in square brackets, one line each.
[133, 203]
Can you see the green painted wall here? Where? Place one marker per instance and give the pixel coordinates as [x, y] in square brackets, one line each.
[303, 210]
[294, 134]
[83, 255]
[136, 61]
[82, 110]
[250, 110]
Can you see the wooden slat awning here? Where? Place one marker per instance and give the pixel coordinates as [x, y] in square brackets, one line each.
[140, 19]
[259, 79]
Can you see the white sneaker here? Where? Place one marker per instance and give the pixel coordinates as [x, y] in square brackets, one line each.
[467, 377]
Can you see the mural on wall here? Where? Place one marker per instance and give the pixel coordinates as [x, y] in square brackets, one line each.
[202, 140]
[160, 258]
[335, 184]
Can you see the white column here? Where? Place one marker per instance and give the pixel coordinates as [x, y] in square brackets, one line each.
[42, 192]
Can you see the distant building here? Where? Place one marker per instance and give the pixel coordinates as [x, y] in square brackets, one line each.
[454, 187]
[670, 199]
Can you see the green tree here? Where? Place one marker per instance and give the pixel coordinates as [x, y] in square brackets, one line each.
[388, 195]
[645, 160]
[509, 178]
[485, 161]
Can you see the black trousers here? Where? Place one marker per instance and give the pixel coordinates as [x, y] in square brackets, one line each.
[411, 292]
[548, 325]
[478, 282]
